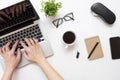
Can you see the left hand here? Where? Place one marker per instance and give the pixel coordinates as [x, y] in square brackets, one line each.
[11, 60]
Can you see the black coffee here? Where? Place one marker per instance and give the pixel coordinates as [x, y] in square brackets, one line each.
[69, 37]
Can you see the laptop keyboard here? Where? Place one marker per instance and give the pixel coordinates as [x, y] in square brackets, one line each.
[33, 31]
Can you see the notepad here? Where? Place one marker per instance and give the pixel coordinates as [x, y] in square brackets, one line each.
[94, 48]
[115, 47]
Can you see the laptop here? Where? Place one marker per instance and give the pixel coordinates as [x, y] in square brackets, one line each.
[21, 21]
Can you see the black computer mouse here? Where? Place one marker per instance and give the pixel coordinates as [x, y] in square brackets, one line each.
[104, 12]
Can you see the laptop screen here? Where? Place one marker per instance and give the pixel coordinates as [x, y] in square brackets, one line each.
[6, 3]
[16, 16]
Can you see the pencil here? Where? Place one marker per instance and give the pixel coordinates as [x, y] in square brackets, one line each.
[93, 49]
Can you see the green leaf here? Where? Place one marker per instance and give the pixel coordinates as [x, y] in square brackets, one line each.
[50, 7]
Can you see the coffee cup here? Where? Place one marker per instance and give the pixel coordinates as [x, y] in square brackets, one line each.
[69, 38]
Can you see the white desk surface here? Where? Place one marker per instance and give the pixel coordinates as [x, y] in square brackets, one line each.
[84, 26]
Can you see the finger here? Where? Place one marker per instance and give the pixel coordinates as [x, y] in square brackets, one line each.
[0, 51]
[28, 42]
[15, 46]
[17, 10]
[32, 41]
[7, 11]
[18, 54]
[25, 55]
[20, 9]
[7, 46]
[23, 44]
[36, 41]
[1, 20]
[12, 10]
[5, 15]
[3, 49]
[24, 7]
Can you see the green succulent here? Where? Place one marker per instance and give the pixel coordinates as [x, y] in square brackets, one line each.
[50, 7]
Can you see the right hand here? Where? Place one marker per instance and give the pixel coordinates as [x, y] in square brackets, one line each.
[32, 52]
[2, 13]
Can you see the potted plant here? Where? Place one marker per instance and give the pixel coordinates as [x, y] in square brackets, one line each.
[50, 7]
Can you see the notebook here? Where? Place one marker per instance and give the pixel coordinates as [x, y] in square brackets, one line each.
[94, 48]
[115, 47]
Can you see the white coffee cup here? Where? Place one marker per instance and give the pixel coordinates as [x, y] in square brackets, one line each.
[69, 38]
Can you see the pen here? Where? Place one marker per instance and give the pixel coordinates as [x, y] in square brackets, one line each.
[93, 49]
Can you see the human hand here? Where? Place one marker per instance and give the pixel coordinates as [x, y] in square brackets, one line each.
[11, 60]
[2, 13]
[17, 10]
[32, 52]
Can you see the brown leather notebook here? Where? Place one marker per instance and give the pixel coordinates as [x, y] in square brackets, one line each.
[94, 48]
[115, 47]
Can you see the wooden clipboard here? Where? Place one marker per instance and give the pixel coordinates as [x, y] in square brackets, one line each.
[94, 48]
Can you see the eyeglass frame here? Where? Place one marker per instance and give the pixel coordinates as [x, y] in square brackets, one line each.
[64, 18]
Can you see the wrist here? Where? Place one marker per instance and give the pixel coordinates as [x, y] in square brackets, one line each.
[7, 74]
[41, 61]
[9, 70]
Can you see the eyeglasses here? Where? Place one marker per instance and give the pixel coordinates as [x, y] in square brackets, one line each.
[59, 21]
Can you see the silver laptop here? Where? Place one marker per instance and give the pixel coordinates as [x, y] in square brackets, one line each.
[21, 21]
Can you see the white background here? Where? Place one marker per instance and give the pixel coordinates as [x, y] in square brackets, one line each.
[85, 25]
